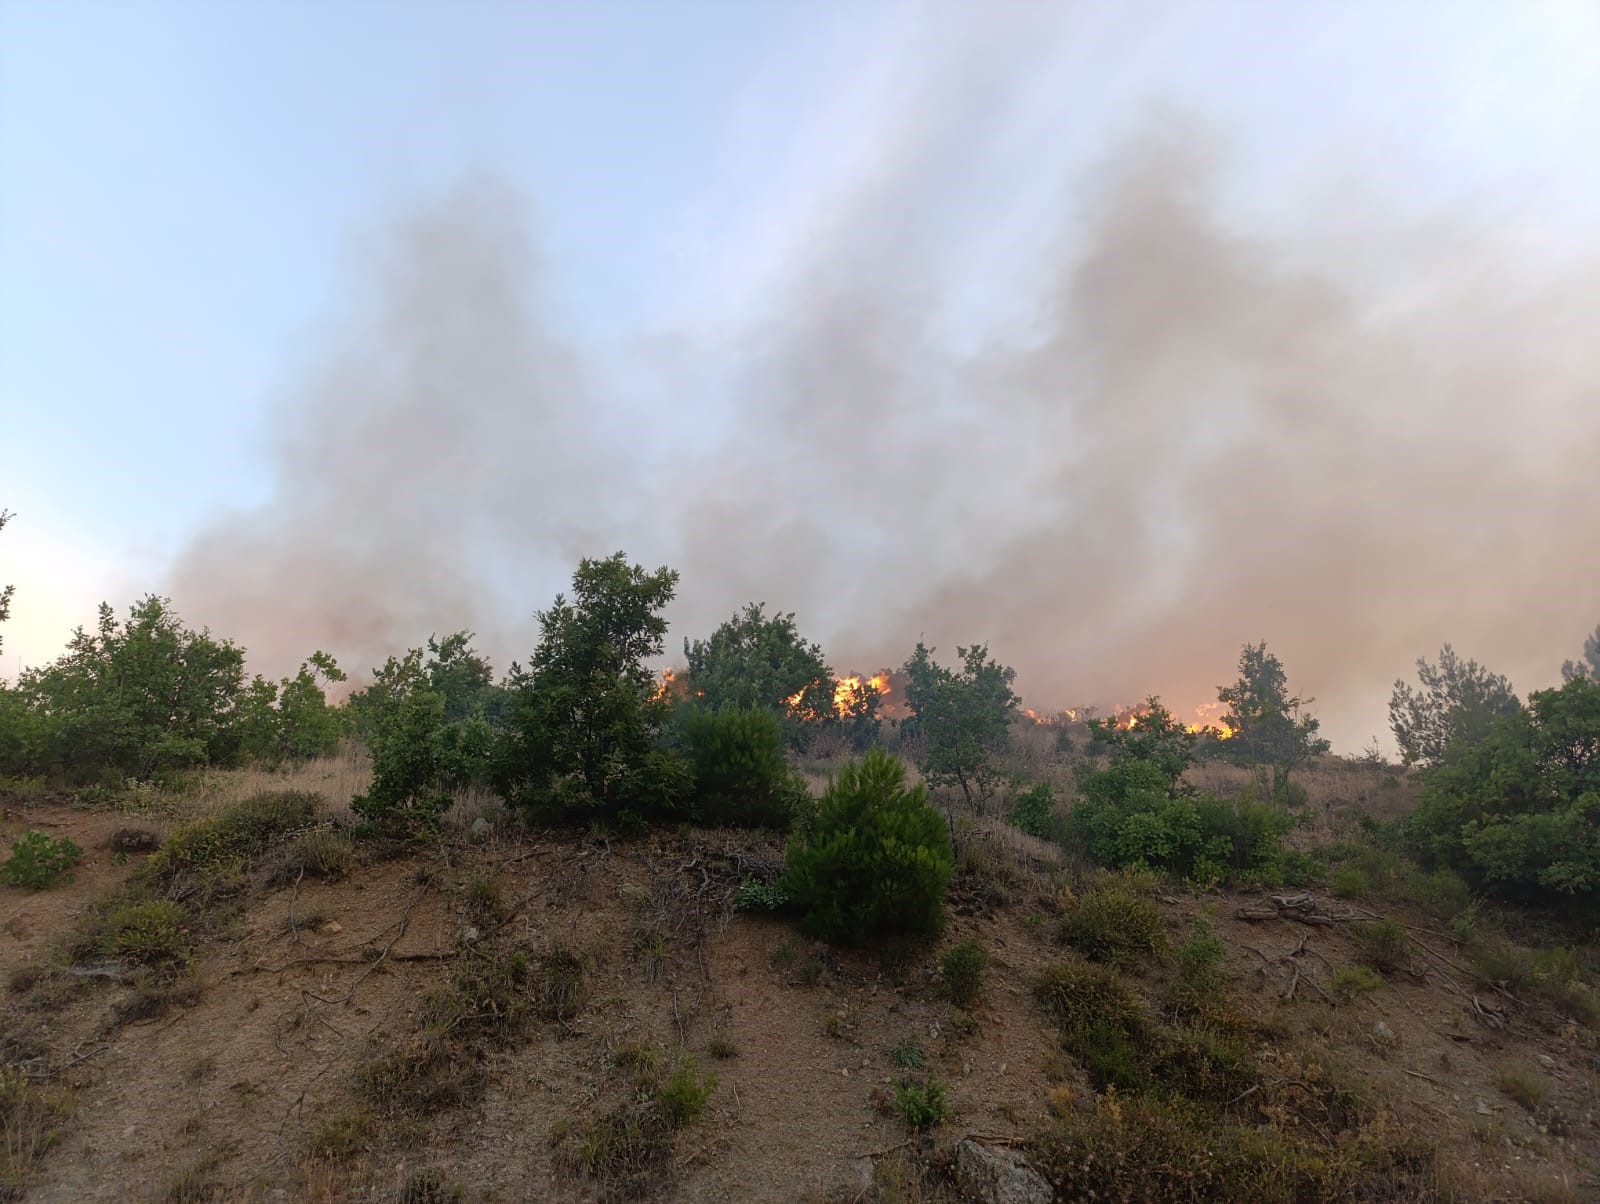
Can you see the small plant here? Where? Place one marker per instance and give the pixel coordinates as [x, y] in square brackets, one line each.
[561, 985]
[908, 1054]
[761, 896]
[683, 1097]
[1528, 1089]
[962, 972]
[1384, 944]
[234, 835]
[1349, 881]
[1114, 922]
[784, 955]
[921, 1105]
[147, 932]
[721, 1048]
[1199, 978]
[321, 853]
[1032, 810]
[343, 1135]
[1351, 981]
[31, 1119]
[430, 1187]
[875, 861]
[37, 861]
[485, 898]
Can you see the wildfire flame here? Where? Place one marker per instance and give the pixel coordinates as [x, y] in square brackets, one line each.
[1207, 721]
[850, 691]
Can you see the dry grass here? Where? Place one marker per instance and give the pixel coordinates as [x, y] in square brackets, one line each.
[338, 778]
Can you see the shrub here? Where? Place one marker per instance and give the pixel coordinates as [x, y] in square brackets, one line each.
[875, 861]
[148, 932]
[561, 985]
[1199, 979]
[1348, 881]
[1115, 922]
[1032, 810]
[761, 896]
[235, 834]
[1384, 944]
[321, 853]
[408, 796]
[963, 971]
[923, 1105]
[908, 1054]
[741, 777]
[683, 1097]
[1350, 981]
[1528, 1089]
[38, 861]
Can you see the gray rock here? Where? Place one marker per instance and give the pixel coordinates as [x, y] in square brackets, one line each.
[1547, 1061]
[469, 934]
[480, 827]
[994, 1175]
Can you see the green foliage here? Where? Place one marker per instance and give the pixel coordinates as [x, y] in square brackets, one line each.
[686, 1092]
[134, 697]
[964, 717]
[1351, 981]
[236, 834]
[1033, 809]
[1459, 701]
[149, 932]
[922, 1105]
[38, 861]
[740, 774]
[585, 719]
[290, 721]
[1115, 922]
[1155, 738]
[1269, 733]
[908, 1054]
[5, 591]
[761, 896]
[1128, 818]
[408, 795]
[1588, 667]
[756, 661]
[1198, 983]
[962, 972]
[1518, 811]
[876, 860]
[1384, 944]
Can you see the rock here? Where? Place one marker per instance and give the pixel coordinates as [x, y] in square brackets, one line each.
[469, 934]
[1483, 1108]
[480, 827]
[1547, 1061]
[331, 928]
[1382, 1034]
[995, 1175]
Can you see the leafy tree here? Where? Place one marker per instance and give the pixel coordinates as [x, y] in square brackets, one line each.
[875, 861]
[740, 774]
[1156, 736]
[1459, 700]
[409, 795]
[5, 591]
[290, 721]
[1517, 810]
[1588, 667]
[1270, 733]
[964, 717]
[585, 718]
[753, 660]
[136, 697]
[448, 667]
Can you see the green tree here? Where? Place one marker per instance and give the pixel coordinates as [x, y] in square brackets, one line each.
[1458, 700]
[5, 591]
[290, 721]
[875, 861]
[585, 718]
[409, 793]
[137, 697]
[1270, 733]
[963, 717]
[1156, 736]
[741, 776]
[1517, 810]
[756, 660]
[1588, 667]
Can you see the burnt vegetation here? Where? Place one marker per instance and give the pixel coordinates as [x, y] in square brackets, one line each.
[872, 813]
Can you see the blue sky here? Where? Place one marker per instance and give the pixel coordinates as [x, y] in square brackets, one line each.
[187, 191]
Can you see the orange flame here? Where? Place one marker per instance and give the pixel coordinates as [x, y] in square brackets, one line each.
[850, 691]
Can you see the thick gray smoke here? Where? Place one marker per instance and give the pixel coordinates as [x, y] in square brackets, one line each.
[1354, 439]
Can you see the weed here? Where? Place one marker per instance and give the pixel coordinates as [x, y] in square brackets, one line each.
[1350, 981]
[908, 1054]
[627, 1151]
[423, 1075]
[197, 1185]
[1114, 922]
[155, 993]
[37, 861]
[430, 1187]
[1384, 944]
[320, 853]
[343, 1135]
[31, 1119]
[201, 1069]
[962, 972]
[923, 1105]
[1199, 979]
[787, 950]
[683, 1097]
[133, 840]
[149, 932]
[761, 896]
[485, 898]
[1349, 881]
[1528, 1089]
[721, 1048]
[235, 834]
[811, 972]
[561, 985]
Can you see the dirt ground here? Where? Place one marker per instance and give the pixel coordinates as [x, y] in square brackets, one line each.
[229, 1090]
